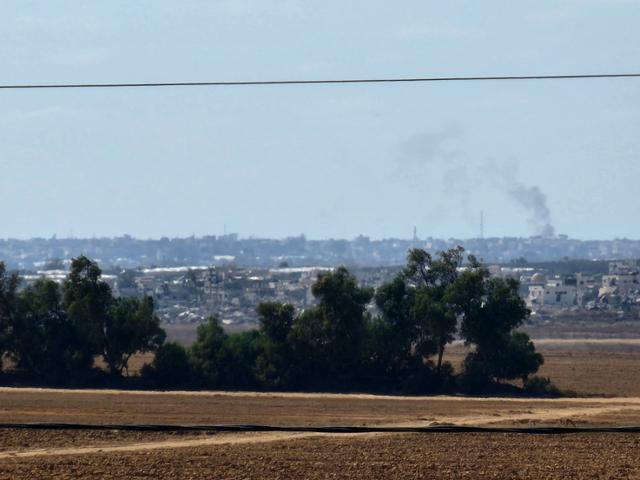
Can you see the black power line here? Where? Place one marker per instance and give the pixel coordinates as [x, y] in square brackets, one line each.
[318, 82]
[564, 430]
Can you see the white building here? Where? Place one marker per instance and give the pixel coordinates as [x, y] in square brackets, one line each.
[560, 295]
[553, 293]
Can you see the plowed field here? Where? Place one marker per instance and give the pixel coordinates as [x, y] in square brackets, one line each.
[437, 456]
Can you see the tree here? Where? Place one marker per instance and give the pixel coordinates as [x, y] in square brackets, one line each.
[8, 298]
[491, 308]
[131, 327]
[273, 363]
[170, 367]
[237, 360]
[342, 306]
[514, 358]
[205, 351]
[517, 358]
[433, 279]
[87, 299]
[391, 335]
[328, 339]
[114, 328]
[44, 343]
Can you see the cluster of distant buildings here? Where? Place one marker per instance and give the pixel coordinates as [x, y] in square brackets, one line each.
[618, 289]
[129, 252]
[237, 274]
[188, 295]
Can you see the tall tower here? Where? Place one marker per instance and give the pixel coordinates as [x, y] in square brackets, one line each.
[415, 234]
[481, 224]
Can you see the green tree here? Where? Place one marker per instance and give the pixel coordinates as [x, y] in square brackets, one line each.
[491, 308]
[237, 360]
[8, 300]
[391, 335]
[273, 363]
[87, 299]
[114, 328]
[206, 351]
[44, 343]
[170, 367]
[517, 358]
[433, 279]
[131, 327]
[328, 339]
[222, 360]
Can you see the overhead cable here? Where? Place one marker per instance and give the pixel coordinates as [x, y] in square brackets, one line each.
[26, 86]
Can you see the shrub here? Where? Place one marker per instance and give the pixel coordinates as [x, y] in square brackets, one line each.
[541, 386]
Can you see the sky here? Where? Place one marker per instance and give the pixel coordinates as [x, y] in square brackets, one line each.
[327, 161]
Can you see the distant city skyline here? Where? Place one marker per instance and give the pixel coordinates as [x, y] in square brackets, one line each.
[409, 237]
[332, 161]
[130, 252]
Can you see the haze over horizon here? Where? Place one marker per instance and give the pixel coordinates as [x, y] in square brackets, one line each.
[333, 161]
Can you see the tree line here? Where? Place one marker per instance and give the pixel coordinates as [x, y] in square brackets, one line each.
[52, 333]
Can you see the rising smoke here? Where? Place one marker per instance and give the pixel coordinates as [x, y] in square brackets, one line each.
[458, 177]
[535, 203]
[530, 198]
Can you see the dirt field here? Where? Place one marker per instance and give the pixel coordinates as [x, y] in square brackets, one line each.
[107, 407]
[438, 456]
[587, 368]
[114, 454]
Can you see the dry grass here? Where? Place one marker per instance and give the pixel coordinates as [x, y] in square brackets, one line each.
[585, 368]
[594, 371]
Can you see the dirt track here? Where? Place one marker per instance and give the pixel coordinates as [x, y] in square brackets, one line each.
[548, 416]
[199, 441]
[278, 409]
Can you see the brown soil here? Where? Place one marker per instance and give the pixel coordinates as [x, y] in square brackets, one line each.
[14, 440]
[106, 407]
[434, 456]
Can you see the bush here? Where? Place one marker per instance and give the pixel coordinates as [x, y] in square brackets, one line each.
[474, 377]
[541, 386]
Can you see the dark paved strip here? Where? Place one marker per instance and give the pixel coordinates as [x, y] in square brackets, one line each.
[317, 429]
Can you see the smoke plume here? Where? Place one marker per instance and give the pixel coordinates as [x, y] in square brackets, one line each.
[535, 203]
[434, 154]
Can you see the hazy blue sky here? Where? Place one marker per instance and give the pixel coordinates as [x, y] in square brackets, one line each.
[327, 161]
